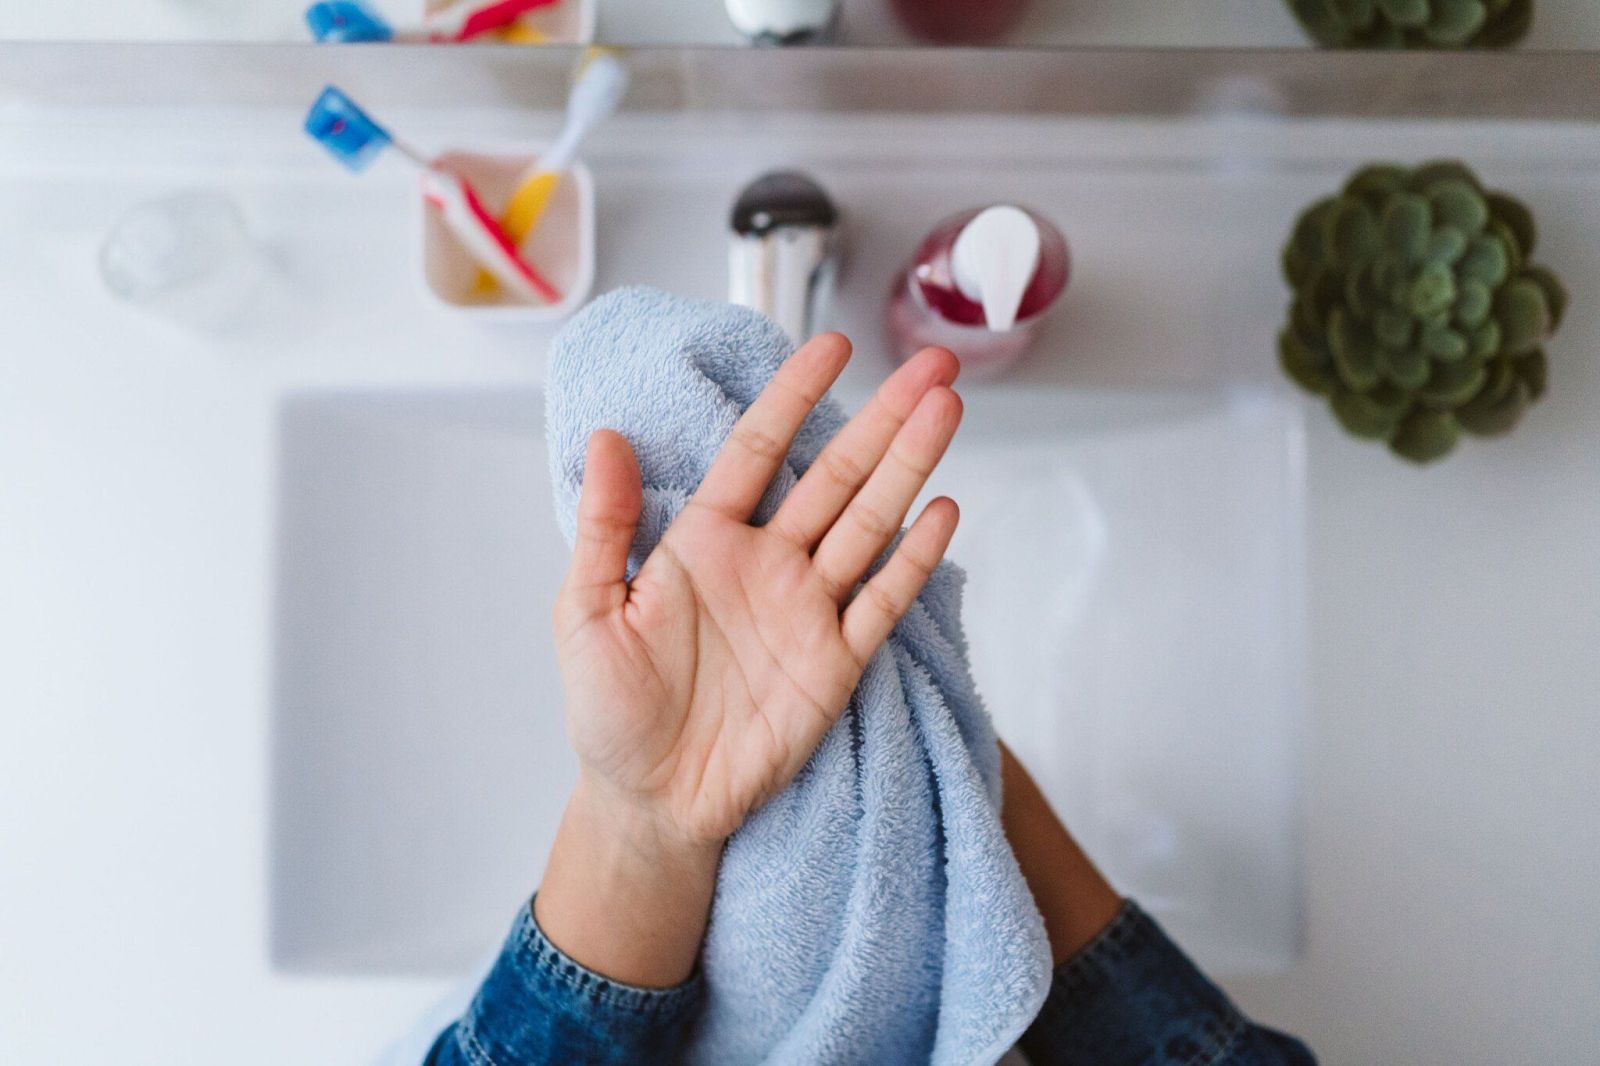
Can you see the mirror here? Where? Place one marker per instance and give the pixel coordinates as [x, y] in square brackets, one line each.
[1529, 24]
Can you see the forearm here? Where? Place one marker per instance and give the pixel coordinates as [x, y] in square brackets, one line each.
[622, 896]
[1075, 899]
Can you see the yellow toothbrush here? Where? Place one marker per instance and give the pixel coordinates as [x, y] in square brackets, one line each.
[602, 81]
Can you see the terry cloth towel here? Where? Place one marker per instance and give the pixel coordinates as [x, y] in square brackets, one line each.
[872, 912]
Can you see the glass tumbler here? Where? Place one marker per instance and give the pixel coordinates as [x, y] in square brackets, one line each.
[187, 257]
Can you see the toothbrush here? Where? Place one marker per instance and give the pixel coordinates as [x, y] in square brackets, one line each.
[599, 89]
[355, 140]
[351, 22]
[602, 82]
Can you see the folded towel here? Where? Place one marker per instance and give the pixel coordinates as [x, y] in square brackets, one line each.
[872, 912]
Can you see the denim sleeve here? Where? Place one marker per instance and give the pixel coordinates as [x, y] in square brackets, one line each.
[1132, 998]
[538, 1007]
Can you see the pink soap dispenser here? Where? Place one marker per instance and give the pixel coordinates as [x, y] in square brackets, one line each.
[979, 286]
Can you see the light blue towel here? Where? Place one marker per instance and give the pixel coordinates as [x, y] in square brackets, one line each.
[873, 911]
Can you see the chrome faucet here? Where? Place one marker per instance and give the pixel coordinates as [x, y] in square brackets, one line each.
[784, 251]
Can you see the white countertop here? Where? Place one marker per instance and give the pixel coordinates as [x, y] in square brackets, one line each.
[1452, 853]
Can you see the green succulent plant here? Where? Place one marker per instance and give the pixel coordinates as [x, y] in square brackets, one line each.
[1416, 311]
[1415, 23]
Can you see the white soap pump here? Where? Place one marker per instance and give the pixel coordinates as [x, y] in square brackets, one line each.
[994, 259]
[979, 285]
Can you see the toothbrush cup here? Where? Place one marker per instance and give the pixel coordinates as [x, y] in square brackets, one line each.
[562, 247]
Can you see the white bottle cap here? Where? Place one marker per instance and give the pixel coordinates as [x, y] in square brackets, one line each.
[993, 260]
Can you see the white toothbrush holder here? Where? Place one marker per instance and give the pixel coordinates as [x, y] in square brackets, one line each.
[561, 246]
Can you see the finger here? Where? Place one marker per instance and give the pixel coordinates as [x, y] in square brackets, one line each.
[839, 472]
[760, 441]
[885, 599]
[608, 514]
[874, 516]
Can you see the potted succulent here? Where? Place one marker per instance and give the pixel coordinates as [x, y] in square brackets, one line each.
[1416, 311]
[1414, 23]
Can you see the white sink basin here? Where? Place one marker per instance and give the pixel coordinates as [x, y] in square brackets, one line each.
[419, 757]
[1135, 612]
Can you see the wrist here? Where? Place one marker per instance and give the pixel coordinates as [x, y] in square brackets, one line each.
[623, 894]
[638, 832]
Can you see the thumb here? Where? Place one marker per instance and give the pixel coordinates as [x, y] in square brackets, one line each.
[608, 514]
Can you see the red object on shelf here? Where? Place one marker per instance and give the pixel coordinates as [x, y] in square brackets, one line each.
[959, 21]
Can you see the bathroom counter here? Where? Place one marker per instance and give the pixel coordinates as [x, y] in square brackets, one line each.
[1451, 856]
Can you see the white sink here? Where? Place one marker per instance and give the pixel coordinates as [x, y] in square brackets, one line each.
[419, 758]
[1135, 611]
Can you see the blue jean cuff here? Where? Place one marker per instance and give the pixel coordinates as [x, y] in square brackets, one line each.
[558, 966]
[538, 1004]
[1130, 995]
[1132, 934]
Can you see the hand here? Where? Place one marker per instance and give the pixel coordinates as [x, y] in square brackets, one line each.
[700, 688]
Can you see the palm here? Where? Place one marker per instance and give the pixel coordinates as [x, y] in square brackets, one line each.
[701, 687]
[718, 675]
